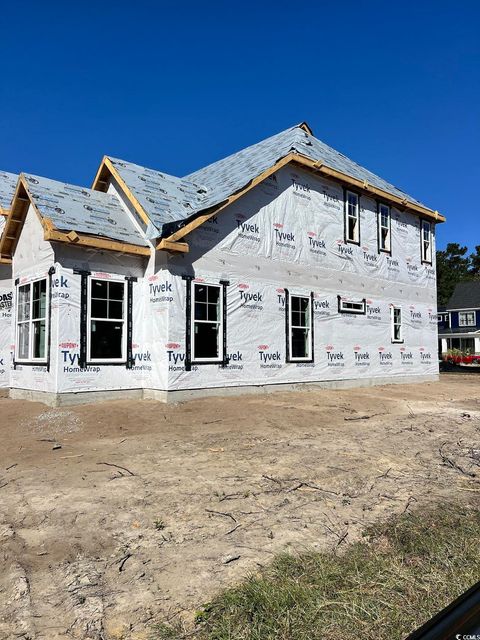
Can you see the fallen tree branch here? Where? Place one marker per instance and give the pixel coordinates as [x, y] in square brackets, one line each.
[448, 462]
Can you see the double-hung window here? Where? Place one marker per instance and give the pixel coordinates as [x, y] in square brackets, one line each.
[426, 241]
[396, 324]
[384, 228]
[352, 217]
[299, 328]
[32, 321]
[208, 323]
[106, 325]
[466, 318]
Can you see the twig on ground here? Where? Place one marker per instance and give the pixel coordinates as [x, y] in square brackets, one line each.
[110, 464]
[448, 462]
[221, 513]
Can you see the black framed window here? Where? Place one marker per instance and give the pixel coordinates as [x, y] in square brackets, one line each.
[106, 321]
[352, 217]
[299, 326]
[348, 305]
[396, 323]
[32, 322]
[426, 241]
[384, 228]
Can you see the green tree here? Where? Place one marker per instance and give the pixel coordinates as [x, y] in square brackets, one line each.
[453, 265]
[474, 270]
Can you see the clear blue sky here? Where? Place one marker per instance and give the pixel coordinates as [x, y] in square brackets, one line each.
[175, 86]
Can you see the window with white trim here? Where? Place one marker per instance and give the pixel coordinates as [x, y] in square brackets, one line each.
[352, 217]
[466, 318]
[346, 305]
[426, 241]
[106, 325]
[300, 330]
[32, 321]
[396, 323]
[384, 228]
[207, 323]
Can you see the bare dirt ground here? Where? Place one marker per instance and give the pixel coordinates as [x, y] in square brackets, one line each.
[147, 510]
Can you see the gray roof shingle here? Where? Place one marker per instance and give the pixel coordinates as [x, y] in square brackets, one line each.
[466, 295]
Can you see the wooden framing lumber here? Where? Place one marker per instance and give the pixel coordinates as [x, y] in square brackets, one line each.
[167, 245]
[97, 243]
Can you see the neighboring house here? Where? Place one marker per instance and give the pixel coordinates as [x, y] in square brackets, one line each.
[459, 321]
[284, 263]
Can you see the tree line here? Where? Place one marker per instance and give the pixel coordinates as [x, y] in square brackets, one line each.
[454, 264]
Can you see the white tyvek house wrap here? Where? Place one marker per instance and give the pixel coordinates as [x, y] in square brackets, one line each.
[6, 310]
[32, 259]
[71, 378]
[288, 233]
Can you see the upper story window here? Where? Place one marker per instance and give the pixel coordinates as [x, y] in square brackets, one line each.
[106, 333]
[396, 324]
[466, 318]
[32, 321]
[352, 217]
[426, 241]
[299, 328]
[384, 228]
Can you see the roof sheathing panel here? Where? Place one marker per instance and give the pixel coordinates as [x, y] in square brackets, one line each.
[163, 197]
[85, 211]
[8, 184]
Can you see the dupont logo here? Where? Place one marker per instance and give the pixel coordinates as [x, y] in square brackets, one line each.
[263, 347]
[172, 345]
[102, 275]
[243, 286]
[199, 280]
[68, 345]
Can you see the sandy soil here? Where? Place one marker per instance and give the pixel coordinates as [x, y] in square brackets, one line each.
[147, 510]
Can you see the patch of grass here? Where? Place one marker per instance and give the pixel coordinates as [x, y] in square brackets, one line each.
[382, 588]
[159, 524]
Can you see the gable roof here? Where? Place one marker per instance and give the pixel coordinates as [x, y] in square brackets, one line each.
[466, 295]
[72, 214]
[8, 182]
[169, 203]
